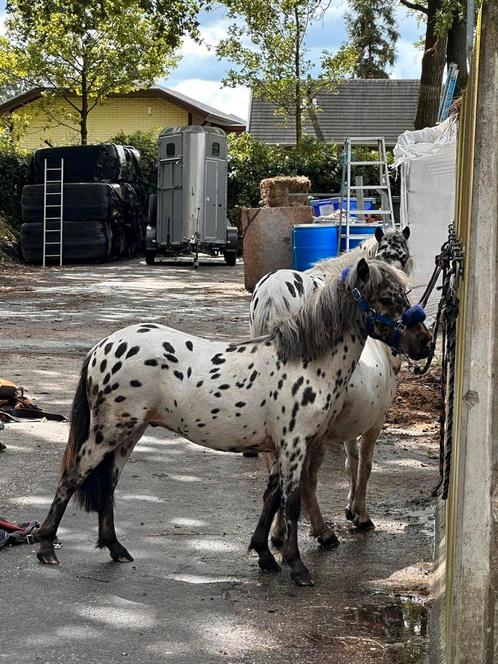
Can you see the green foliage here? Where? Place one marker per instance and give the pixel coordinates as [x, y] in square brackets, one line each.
[371, 26]
[13, 172]
[266, 41]
[91, 49]
[146, 143]
[250, 161]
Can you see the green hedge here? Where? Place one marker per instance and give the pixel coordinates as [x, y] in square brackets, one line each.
[250, 161]
[13, 171]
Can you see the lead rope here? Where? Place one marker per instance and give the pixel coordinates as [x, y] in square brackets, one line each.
[449, 262]
[452, 273]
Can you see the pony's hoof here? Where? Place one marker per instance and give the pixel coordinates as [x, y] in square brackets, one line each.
[302, 578]
[277, 541]
[47, 557]
[328, 539]
[268, 563]
[349, 514]
[122, 557]
[364, 525]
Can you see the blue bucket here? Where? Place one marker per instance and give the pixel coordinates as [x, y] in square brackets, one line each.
[357, 229]
[312, 242]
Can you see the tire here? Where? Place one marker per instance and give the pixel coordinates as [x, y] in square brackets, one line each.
[230, 258]
[150, 257]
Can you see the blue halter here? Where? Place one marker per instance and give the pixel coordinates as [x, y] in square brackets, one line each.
[413, 315]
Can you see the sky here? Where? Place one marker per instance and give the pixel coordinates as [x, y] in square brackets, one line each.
[199, 72]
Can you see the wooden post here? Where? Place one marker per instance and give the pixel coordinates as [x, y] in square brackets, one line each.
[468, 540]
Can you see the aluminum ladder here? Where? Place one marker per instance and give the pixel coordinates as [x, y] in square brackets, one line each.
[53, 206]
[386, 208]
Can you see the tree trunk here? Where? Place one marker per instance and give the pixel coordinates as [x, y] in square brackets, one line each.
[297, 74]
[433, 63]
[456, 52]
[84, 110]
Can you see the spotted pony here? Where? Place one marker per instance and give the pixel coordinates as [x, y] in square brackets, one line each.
[370, 392]
[276, 393]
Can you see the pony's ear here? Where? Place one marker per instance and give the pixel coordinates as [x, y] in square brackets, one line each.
[362, 270]
[379, 233]
[406, 232]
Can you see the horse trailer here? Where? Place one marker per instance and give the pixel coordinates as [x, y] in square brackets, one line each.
[189, 212]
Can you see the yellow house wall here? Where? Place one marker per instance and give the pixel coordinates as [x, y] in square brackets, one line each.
[117, 114]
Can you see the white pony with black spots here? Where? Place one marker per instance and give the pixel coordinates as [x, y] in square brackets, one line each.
[371, 389]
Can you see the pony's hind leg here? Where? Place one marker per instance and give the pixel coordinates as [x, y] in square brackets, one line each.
[259, 540]
[72, 479]
[47, 532]
[107, 533]
[367, 446]
[351, 449]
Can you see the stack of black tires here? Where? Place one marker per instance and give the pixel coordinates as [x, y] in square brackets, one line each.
[104, 203]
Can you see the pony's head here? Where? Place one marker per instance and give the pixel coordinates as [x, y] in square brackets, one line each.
[392, 248]
[380, 293]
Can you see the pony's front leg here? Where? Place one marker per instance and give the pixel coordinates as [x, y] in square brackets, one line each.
[367, 446]
[351, 449]
[291, 465]
[309, 480]
[259, 540]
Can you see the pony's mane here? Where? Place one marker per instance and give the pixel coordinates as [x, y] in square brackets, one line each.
[333, 267]
[328, 313]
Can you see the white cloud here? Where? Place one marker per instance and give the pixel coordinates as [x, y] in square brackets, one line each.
[209, 35]
[408, 62]
[227, 100]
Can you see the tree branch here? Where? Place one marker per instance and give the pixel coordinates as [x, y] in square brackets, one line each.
[415, 6]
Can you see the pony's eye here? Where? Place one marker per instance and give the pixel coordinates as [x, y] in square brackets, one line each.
[385, 301]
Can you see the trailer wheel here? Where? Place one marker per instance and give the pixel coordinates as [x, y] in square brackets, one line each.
[230, 258]
[150, 257]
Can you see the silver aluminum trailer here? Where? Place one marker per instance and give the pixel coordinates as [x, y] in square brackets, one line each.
[189, 212]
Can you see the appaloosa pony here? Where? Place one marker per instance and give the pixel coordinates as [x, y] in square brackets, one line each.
[276, 393]
[370, 391]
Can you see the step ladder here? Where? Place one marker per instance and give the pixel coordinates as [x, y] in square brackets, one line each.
[53, 206]
[347, 214]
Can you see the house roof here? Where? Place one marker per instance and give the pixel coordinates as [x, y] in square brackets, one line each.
[227, 121]
[363, 107]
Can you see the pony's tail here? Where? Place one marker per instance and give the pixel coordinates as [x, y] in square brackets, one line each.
[93, 492]
[79, 419]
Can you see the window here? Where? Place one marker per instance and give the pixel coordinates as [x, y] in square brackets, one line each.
[170, 149]
[215, 150]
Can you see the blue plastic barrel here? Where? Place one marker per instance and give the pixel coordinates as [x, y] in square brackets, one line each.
[312, 242]
[357, 229]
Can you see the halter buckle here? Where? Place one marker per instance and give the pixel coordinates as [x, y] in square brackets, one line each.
[356, 295]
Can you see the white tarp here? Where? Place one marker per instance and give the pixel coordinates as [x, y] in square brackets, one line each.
[427, 164]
